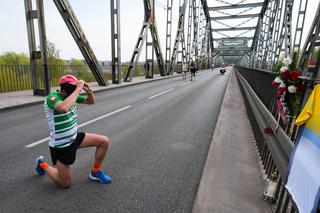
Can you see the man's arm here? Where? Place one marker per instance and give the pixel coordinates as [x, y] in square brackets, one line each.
[66, 105]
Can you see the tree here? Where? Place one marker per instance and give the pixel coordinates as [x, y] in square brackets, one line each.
[76, 62]
[53, 54]
[12, 58]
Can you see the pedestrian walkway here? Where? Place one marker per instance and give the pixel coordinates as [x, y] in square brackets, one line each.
[10, 100]
[231, 179]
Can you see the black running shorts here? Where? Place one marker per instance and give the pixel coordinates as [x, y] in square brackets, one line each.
[67, 155]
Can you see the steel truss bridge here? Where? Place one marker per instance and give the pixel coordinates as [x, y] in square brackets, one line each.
[253, 34]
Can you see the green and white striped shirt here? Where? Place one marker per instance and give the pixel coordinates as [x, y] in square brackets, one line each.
[63, 126]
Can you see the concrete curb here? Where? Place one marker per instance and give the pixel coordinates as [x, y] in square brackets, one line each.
[195, 202]
[230, 156]
[3, 109]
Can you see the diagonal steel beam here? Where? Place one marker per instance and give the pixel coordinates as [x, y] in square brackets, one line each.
[207, 15]
[257, 29]
[284, 41]
[312, 41]
[179, 34]
[78, 35]
[148, 23]
[299, 26]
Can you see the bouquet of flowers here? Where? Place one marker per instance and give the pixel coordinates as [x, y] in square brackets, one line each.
[289, 89]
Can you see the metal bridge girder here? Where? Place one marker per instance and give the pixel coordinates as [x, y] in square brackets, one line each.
[194, 50]
[312, 41]
[78, 35]
[33, 53]
[205, 7]
[179, 35]
[233, 6]
[233, 29]
[232, 38]
[148, 24]
[235, 16]
[168, 35]
[285, 35]
[115, 41]
[299, 26]
[189, 30]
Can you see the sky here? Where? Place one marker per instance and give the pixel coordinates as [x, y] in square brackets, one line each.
[94, 17]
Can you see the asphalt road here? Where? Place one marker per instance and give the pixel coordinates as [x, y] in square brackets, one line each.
[160, 133]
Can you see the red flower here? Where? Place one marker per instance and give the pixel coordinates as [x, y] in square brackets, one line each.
[281, 89]
[294, 75]
[312, 64]
[268, 130]
[301, 88]
[285, 74]
[275, 83]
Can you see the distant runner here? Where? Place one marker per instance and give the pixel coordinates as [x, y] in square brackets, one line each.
[61, 113]
[193, 70]
[184, 71]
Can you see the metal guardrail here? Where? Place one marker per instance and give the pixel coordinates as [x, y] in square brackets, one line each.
[274, 149]
[278, 143]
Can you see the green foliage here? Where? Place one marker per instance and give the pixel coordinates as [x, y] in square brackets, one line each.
[139, 71]
[294, 101]
[56, 61]
[80, 69]
[76, 62]
[12, 58]
[276, 68]
[124, 69]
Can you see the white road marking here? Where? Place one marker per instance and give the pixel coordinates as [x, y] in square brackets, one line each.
[161, 93]
[182, 85]
[37, 142]
[82, 125]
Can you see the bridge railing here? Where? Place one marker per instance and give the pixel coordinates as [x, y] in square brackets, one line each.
[19, 77]
[274, 139]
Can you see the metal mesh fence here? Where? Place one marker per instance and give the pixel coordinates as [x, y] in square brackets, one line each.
[19, 77]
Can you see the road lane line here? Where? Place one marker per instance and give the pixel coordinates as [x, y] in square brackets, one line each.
[161, 93]
[182, 85]
[37, 142]
[82, 125]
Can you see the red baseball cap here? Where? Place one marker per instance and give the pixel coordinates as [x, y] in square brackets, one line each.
[68, 79]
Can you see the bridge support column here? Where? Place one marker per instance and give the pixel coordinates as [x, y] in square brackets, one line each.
[148, 23]
[33, 53]
[115, 41]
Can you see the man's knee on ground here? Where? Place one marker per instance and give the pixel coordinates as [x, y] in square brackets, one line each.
[65, 184]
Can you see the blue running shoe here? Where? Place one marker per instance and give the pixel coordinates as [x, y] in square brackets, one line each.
[38, 168]
[100, 176]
